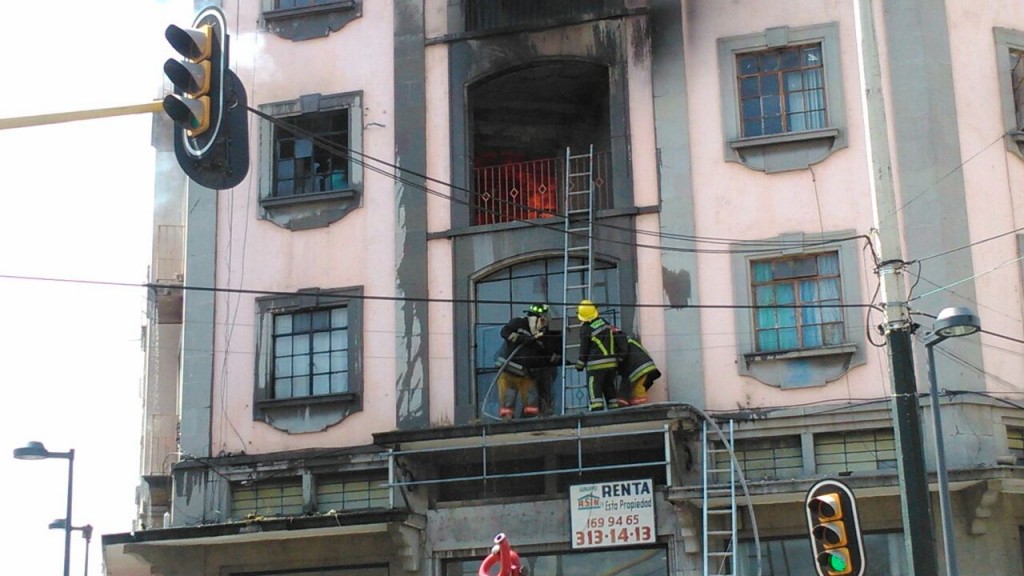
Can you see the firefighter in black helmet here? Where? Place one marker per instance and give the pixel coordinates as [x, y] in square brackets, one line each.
[522, 355]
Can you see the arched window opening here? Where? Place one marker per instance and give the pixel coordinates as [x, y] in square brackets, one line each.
[522, 123]
[505, 294]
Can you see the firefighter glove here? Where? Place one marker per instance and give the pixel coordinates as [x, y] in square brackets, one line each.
[580, 365]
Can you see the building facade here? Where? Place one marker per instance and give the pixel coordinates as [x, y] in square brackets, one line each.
[320, 387]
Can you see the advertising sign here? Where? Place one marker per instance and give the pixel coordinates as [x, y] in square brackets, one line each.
[610, 514]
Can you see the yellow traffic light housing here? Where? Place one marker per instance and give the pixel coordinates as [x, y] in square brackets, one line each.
[834, 529]
[189, 106]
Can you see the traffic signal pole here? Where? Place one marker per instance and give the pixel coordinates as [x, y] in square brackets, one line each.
[914, 498]
[75, 115]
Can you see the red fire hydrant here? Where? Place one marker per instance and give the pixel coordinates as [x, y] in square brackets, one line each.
[507, 558]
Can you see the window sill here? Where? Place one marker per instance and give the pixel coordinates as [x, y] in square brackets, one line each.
[307, 198]
[308, 413]
[784, 152]
[786, 138]
[806, 353]
[308, 211]
[343, 398]
[799, 368]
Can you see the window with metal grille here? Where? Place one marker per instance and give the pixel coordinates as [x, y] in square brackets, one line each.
[781, 90]
[336, 493]
[267, 498]
[776, 458]
[854, 451]
[313, 158]
[311, 353]
[796, 301]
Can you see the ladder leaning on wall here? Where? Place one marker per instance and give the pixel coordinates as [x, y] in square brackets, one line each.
[578, 264]
[721, 473]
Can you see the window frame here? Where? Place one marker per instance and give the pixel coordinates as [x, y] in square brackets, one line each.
[798, 305]
[307, 357]
[1008, 40]
[287, 414]
[823, 364]
[316, 209]
[787, 150]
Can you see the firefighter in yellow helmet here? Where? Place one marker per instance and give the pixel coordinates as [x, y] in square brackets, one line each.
[598, 355]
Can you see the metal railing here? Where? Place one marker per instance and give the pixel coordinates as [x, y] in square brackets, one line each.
[532, 189]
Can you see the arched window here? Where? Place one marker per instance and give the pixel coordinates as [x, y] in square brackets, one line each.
[522, 122]
[505, 294]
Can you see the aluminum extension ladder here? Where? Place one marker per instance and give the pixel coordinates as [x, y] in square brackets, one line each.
[720, 477]
[578, 264]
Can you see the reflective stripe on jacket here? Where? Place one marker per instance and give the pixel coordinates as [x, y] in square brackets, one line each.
[597, 346]
[636, 363]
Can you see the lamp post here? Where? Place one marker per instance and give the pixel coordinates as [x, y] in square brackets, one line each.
[950, 323]
[60, 524]
[36, 451]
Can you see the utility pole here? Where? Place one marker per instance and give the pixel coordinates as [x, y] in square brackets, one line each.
[917, 525]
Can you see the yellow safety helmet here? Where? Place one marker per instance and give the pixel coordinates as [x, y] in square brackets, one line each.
[586, 311]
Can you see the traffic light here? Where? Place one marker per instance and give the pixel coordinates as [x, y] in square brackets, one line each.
[208, 106]
[836, 540]
[189, 106]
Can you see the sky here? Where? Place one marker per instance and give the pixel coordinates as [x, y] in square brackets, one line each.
[77, 199]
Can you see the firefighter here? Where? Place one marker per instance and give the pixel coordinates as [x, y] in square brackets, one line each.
[598, 356]
[521, 355]
[638, 371]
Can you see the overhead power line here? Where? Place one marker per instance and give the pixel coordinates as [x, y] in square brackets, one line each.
[327, 296]
[749, 246]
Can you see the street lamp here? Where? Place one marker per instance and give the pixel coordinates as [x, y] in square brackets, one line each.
[950, 323]
[60, 524]
[36, 451]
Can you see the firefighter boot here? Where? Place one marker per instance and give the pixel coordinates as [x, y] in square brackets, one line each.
[639, 392]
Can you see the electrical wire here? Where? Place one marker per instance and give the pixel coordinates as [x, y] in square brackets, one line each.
[329, 297]
[948, 174]
[362, 159]
[968, 279]
[971, 245]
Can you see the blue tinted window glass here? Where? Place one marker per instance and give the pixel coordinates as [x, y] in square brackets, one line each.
[747, 64]
[788, 339]
[812, 337]
[749, 87]
[784, 294]
[767, 340]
